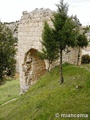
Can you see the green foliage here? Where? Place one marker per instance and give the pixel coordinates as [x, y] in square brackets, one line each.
[82, 41]
[46, 98]
[62, 35]
[64, 31]
[49, 50]
[7, 51]
[85, 59]
[86, 29]
[64, 27]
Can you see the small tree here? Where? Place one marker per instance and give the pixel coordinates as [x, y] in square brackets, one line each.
[81, 39]
[81, 43]
[49, 50]
[7, 52]
[65, 33]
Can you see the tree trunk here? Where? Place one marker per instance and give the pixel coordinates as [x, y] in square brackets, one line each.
[61, 71]
[78, 58]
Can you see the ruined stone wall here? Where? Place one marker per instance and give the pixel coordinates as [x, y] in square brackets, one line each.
[29, 36]
[13, 26]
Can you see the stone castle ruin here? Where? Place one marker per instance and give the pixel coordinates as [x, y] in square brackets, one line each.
[30, 28]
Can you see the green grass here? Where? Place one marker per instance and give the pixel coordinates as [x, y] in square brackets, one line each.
[86, 66]
[47, 97]
[9, 90]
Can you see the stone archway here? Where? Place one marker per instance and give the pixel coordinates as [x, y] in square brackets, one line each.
[33, 67]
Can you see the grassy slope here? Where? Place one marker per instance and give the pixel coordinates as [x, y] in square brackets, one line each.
[47, 97]
[9, 90]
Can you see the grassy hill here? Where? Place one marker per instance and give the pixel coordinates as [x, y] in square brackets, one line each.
[47, 97]
[10, 90]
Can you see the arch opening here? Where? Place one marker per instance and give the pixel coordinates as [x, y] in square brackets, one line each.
[33, 67]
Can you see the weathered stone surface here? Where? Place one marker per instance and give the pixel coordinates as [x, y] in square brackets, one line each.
[29, 34]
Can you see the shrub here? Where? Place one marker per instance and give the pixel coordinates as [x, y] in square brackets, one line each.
[7, 52]
[85, 59]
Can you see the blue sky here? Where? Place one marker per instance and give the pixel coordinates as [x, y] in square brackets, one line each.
[11, 10]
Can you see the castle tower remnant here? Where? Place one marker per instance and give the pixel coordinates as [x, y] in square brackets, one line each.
[29, 36]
